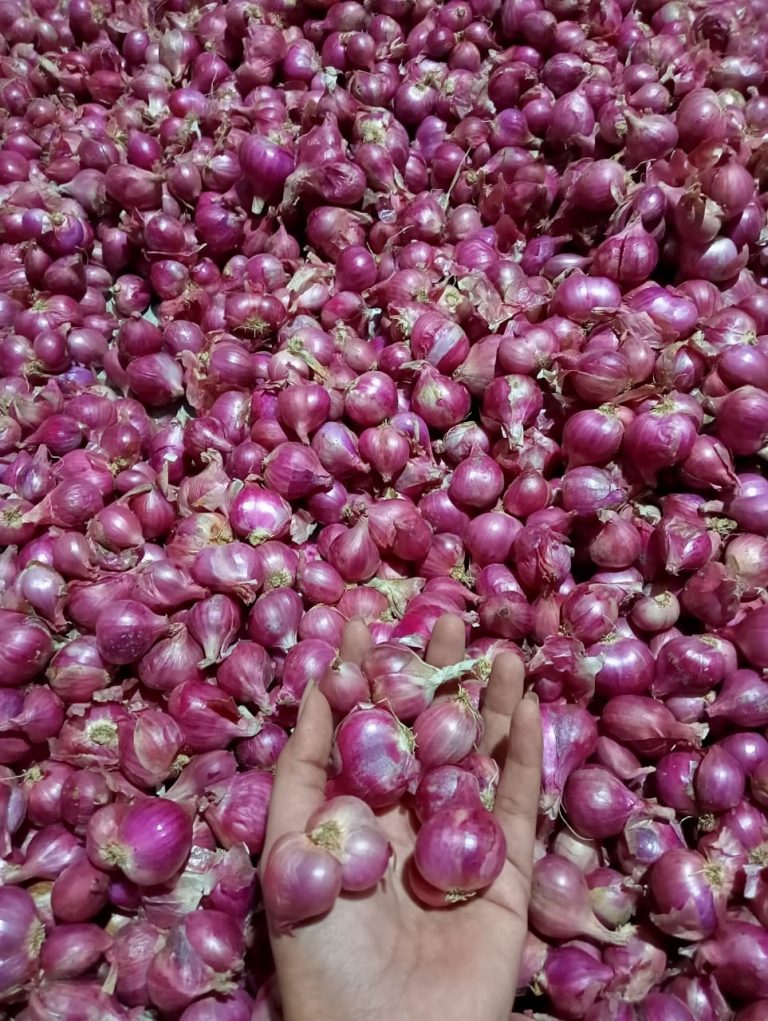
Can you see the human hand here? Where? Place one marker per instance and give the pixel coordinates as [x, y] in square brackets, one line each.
[382, 955]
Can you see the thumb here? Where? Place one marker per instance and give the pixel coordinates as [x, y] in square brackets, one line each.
[301, 772]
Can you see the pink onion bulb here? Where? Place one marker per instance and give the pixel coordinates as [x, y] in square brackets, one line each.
[347, 828]
[301, 881]
[460, 851]
[149, 841]
[375, 755]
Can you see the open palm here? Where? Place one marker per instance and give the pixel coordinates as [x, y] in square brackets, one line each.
[382, 954]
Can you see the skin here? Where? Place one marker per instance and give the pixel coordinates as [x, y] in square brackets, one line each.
[382, 955]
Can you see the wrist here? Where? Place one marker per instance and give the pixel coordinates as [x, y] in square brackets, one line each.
[310, 1007]
[312, 1012]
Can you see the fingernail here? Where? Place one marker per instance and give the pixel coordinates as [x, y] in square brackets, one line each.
[305, 699]
[532, 696]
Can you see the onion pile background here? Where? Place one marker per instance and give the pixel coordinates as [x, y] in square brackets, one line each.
[312, 311]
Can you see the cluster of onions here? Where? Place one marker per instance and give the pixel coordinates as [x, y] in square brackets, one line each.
[342, 848]
[312, 311]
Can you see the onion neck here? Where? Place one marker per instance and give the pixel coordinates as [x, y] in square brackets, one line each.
[618, 937]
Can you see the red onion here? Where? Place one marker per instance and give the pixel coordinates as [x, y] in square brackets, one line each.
[72, 950]
[200, 774]
[266, 166]
[353, 553]
[643, 843]
[134, 947]
[403, 682]
[700, 994]
[378, 780]
[294, 471]
[446, 731]
[23, 936]
[749, 749]
[200, 954]
[207, 717]
[85, 791]
[258, 514]
[149, 841]
[127, 630]
[274, 618]
[303, 408]
[66, 997]
[305, 663]
[599, 805]
[238, 809]
[674, 779]
[613, 901]
[557, 881]
[43, 786]
[214, 623]
[620, 760]
[246, 674]
[263, 749]
[724, 954]
[477, 481]
[301, 881]
[443, 787]
[49, 851]
[171, 661]
[570, 737]
[688, 666]
[438, 400]
[347, 828]
[336, 447]
[147, 750]
[719, 781]
[749, 635]
[79, 893]
[573, 980]
[626, 668]
[742, 700]
[235, 1007]
[371, 399]
[689, 895]
[647, 726]
[460, 851]
[747, 407]
[26, 648]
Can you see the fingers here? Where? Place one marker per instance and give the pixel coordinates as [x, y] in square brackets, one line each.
[355, 642]
[517, 797]
[300, 776]
[504, 691]
[446, 646]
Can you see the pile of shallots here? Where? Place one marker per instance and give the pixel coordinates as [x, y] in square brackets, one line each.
[314, 310]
